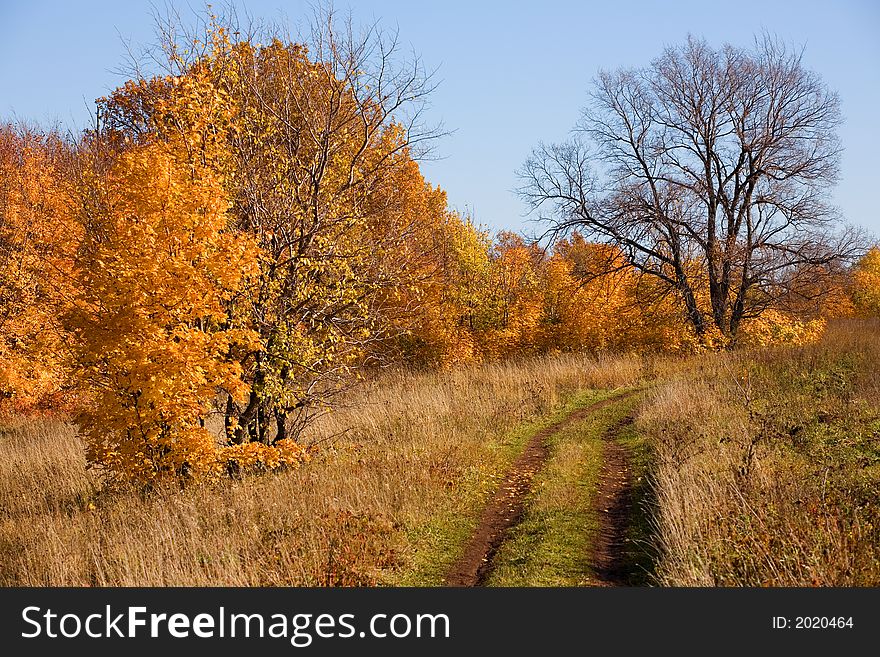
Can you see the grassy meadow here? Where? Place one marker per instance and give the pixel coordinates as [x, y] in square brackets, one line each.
[767, 465]
[757, 467]
[395, 488]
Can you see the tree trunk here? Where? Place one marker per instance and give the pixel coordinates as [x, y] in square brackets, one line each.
[245, 426]
[695, 316]
[693, 312]
[281, 425]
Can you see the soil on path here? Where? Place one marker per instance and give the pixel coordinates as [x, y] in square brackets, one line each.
[505, 509]
[613, 507]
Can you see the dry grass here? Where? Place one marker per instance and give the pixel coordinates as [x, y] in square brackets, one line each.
[766, 471]
[768, 465]
[377, 506]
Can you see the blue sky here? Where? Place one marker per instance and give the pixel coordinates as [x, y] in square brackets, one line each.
[511, 73]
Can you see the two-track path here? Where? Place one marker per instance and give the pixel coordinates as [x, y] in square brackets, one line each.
[506, 507]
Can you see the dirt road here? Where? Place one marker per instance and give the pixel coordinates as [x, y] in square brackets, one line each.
[505, 509]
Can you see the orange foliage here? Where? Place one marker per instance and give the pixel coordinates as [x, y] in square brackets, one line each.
[154, 321]
[773, 327]
[866, 284]
[595, 301]
[310, 215]
[37, 240]
[152, 333]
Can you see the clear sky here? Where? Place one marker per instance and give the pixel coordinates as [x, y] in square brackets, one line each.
[511, 73]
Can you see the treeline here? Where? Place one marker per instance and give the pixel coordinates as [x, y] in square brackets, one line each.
[240, 238]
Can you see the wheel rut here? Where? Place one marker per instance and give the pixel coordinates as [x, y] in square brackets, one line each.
[612, 504]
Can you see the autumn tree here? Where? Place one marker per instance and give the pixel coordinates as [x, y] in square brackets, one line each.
[322, 137]
[37, 242]
[330, 192]
[710, 171]
[413, 318]
[160, 276]
[453, 294]
[586, 295]
[866, 284]
[154, 271]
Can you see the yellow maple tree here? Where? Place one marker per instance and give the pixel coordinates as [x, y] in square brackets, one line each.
[158, 332]
[152, 337]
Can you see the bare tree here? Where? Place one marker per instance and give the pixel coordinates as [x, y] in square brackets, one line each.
[710, 169]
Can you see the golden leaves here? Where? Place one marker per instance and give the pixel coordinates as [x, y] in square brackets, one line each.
[866, 284]
[151, 321]
[37, 240]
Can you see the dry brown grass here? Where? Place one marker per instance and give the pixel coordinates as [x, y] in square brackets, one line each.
[416, 450]
[768, 465]
[766, 472]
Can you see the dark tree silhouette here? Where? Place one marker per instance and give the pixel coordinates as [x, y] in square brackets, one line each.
[711, 170]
